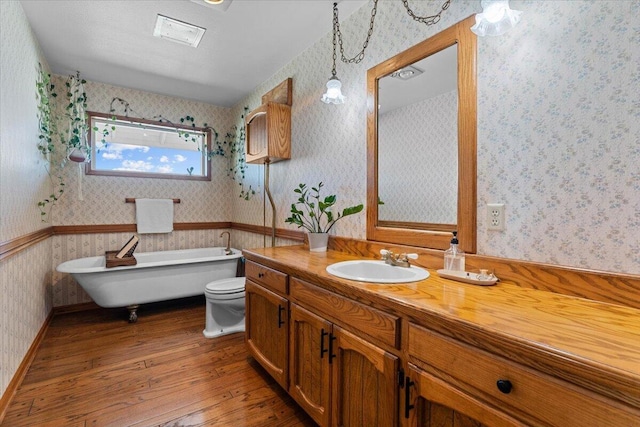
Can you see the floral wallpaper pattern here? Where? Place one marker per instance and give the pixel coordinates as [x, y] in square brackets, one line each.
[103, 196]
[558, 143]
[25, 278]
[417, 166]
[558, 128]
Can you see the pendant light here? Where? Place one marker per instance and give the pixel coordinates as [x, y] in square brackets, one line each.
[334, 93]
[496, 18]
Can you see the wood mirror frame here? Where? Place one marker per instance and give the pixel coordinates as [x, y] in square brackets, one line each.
[460, 35]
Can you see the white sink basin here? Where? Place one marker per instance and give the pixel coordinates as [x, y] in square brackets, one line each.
[376, 272]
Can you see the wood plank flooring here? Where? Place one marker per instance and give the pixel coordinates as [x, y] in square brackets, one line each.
[95, 369]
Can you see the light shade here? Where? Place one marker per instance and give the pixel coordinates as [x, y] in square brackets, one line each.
[334, 93]
[496, 18]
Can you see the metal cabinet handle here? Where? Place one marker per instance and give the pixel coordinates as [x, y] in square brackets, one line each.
[280, 321]
[407, 396]
[322, 349]
[332, 338]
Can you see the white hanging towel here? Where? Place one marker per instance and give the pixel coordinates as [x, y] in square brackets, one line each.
[154, 215]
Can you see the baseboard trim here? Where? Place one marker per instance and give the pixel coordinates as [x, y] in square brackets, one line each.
[18, 377]
[74, 308]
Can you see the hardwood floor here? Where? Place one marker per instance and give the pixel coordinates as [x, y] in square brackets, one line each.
[95, 369]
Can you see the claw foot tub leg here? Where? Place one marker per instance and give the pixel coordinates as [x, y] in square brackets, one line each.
[133, 316]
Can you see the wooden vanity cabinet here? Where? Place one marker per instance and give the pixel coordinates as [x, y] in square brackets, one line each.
[498, 392]
[430, 401]
[267, 320]
[339, 357]
[342, 377]
[339, 378]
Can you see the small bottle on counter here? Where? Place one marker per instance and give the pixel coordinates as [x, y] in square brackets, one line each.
[454, 256]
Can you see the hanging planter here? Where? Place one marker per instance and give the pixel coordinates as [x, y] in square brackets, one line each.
[78, 155]
[63, 137]
[76, 141]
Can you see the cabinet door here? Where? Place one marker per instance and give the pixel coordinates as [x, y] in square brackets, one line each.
[267, 330]
[428, 401]
[309, 366]
[364, 387]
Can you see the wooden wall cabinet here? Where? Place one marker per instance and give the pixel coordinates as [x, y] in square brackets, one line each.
[268, 127]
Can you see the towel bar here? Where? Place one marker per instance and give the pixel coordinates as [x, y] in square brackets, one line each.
[132, 200]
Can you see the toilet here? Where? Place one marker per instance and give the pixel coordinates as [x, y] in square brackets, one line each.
[225, 307]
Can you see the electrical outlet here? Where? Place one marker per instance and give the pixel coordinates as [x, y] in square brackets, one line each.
[495, 216]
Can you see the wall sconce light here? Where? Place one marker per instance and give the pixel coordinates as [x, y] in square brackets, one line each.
[496, 18]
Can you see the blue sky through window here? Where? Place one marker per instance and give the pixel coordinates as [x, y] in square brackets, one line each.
[150, 149]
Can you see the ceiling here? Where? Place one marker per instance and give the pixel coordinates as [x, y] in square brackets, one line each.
[111, 41]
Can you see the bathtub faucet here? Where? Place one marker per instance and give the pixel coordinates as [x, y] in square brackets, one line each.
[227, 250]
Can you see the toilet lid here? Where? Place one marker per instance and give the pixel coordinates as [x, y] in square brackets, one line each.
[227, 286]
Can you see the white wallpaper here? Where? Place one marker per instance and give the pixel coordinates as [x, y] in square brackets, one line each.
[558, 135]
[201, 201]
[558, 143]
[419, 185]
[25, 294]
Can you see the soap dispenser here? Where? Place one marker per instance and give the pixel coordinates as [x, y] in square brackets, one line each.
[454, 256]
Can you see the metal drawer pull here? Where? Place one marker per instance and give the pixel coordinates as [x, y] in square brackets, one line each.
[504, 386]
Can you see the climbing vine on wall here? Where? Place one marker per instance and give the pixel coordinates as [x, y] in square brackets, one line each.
[231, 147]
[62, 137]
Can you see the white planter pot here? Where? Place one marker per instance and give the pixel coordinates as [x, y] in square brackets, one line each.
[318, 242]
[78, 156]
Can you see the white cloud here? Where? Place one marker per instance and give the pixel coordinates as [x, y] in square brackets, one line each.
[135, 165]
[165, 169]
[112, 155]
[179, 158]
[164, 159]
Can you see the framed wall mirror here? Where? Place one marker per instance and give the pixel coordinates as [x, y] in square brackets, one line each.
[421, 143]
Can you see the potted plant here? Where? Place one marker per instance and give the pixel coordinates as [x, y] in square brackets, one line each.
[313, 212]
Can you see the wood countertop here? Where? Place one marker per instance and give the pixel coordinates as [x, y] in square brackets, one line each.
[593, 344]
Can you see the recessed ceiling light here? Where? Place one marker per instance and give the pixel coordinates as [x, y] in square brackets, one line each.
[407, 73]
[178, 31]
[219, 5]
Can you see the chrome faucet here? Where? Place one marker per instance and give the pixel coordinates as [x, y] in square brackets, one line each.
[227, 250]
[401, 260]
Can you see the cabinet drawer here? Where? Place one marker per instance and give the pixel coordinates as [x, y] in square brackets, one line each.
[534, 397]
[378, 325]
[267, 277]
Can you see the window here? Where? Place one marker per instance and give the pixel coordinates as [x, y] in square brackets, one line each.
[124, 146]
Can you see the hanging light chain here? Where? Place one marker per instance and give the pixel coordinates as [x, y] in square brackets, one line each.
[427, 20]
[335, 19]
[336, 29]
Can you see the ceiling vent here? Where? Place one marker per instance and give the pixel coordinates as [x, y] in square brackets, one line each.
[219, 5]
[407, 73]
[178, 31]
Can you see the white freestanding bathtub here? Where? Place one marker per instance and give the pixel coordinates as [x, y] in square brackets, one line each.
[157, 276]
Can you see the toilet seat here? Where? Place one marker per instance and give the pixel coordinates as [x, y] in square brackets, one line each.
[226, 289]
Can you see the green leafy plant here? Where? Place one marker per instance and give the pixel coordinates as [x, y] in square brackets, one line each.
[313, 212]
[75, 115]
[47, 125]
